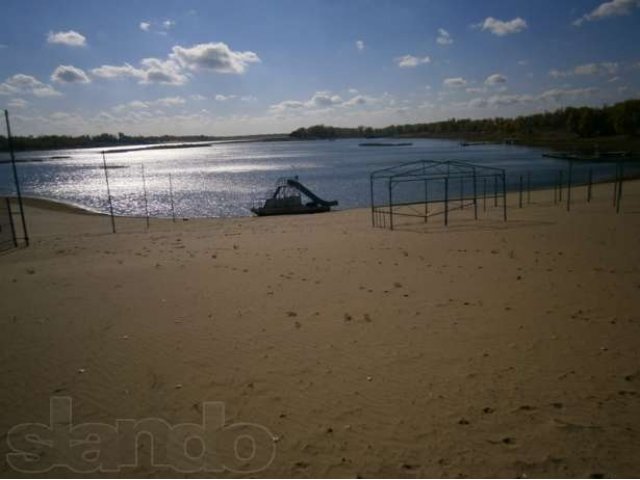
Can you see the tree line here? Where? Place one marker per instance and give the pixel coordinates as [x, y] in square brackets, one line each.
[54, 142]
[586, 122]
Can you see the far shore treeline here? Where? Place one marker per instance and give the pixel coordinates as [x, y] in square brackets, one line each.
[579, 128]
[619, 124]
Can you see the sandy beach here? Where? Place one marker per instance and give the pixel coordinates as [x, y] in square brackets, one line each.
[481, 349]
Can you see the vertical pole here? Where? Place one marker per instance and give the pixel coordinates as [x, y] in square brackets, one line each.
[528, 188]
[373, 218]
[144, 189]
[589, 184]
[615, 185]
[13, 227]
[560, 172]
[520, 194]
[390, 205]
[173, 209]
[620, 188]
[106, 178]
[569, 185]
[504, 196]
[484, 194]
[205, 199]
[426, 202]
[15, 178]
[475, 195]
[446, 201]
[495, 190]
[555, 192]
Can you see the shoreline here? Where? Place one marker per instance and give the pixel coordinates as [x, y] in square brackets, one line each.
[71, 207]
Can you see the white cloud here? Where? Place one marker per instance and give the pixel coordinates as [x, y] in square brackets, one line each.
[559, 93]
[476, 90]
[324, 99]
[152, 70]
[17, 103]
[409, 61]
[69, 74]
[612, 8]
[141, 106]
[70, 38]
[160, 28]
[456, 82]
[321, 101]
[21, 84]
[217, 57]
[356, 101]
[166, 72]
[287, 105]
[197, 97]
[603, 68]
[169, 101]
[444, 38]
[360, 45]
[495, 79]
[115, 71]
[224, 98]
[502, 28]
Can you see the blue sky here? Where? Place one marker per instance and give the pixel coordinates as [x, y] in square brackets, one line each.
[246, 67]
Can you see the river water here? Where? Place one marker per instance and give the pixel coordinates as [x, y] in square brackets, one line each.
[226, 179]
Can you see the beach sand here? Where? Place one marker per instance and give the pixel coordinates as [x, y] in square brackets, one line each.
[481, 349]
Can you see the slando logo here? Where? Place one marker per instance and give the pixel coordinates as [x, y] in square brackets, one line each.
[210, 446]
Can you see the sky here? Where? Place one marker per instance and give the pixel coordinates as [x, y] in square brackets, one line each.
[182, 67]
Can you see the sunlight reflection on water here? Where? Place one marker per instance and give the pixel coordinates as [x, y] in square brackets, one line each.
[225, 179]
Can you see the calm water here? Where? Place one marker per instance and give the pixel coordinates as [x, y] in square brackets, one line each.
[225, 179]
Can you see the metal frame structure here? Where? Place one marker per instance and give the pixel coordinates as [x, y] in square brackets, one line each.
[428, 171]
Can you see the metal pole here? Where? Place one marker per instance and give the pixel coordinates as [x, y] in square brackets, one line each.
[569, 185]
[475, 195]
[426, 202]
[560, 185]
[15, 178]
[204, 193]
[373, 220]
[615, 185]
[484, 194]
[620, 187]
[390, 205]
[13, 227]
[495, 190]
[528, 188]
[106, 178]
[520, 194]
[589, 185]
[144, 189]
[446, 201]
[173, 210]
[504, 195]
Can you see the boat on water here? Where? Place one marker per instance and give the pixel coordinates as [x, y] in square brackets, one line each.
[386, 144]
[600, 156]
[287, 200]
